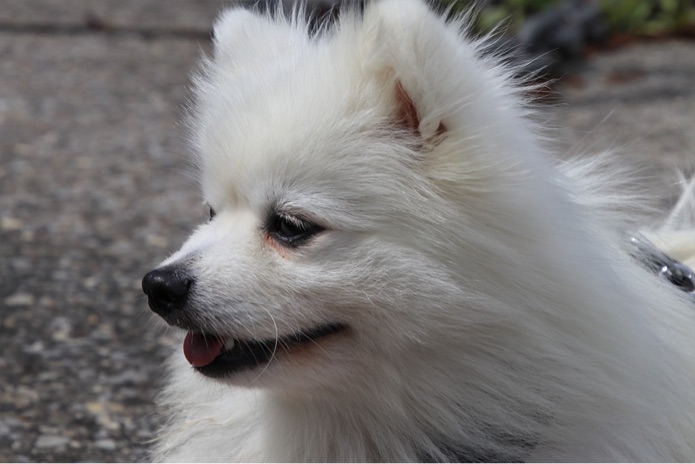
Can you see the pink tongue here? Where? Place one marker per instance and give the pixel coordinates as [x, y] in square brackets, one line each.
[201, 350]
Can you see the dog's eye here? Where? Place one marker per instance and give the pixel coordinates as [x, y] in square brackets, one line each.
[291, 231]
[212, 213]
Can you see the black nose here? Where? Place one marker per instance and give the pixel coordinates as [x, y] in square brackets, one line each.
[166, 289]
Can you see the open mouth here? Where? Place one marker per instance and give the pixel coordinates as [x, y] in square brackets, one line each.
[218, 357]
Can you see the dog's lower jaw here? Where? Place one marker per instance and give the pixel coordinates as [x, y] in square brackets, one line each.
[236, 356]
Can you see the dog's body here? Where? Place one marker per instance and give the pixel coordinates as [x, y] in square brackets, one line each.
[403, 272]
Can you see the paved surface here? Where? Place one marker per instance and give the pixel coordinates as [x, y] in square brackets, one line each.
[94, 191]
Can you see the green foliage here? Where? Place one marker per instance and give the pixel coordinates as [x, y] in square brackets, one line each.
[506, 12]
[648, 16]
[631, 16]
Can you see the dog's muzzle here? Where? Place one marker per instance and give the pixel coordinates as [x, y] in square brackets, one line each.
[167, 290]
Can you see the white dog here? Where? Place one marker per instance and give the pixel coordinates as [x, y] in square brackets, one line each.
[396, 270]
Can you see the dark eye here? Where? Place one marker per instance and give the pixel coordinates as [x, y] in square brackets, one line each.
[291, 231]
[212, 213]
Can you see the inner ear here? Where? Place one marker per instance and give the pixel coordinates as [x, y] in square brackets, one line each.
[407, 114]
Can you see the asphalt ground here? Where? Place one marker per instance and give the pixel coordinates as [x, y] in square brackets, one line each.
[96, 189]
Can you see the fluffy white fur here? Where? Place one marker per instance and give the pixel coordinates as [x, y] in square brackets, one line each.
[489, 301]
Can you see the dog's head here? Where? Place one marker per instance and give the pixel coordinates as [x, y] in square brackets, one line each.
[345, 173]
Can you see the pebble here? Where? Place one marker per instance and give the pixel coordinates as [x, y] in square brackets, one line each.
[10, 322]
[10, 223]
[20, 299]
[106, 444]
[157, 240]
[51, 441]
[35, 348]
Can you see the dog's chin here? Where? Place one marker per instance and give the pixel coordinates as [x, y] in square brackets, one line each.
[227, 358]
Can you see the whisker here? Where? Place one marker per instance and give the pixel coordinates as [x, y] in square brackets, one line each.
[275, 345]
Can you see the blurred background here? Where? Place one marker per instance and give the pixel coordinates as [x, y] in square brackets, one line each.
[96, 189]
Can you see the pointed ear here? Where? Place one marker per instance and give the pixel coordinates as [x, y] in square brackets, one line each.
[421, 54]
[236, 36]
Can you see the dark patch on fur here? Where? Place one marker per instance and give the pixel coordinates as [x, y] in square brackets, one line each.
[320, 15]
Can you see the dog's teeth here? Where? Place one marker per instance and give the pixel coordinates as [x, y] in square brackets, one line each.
[229, 344]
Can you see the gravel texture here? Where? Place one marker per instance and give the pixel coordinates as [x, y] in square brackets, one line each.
[95, 190]
[92, 195]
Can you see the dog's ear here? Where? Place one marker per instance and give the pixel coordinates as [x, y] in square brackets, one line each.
[418, 58]
[241, 36]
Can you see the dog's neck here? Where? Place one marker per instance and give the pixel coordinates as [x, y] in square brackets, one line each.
[376, 426]
[341, 430]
